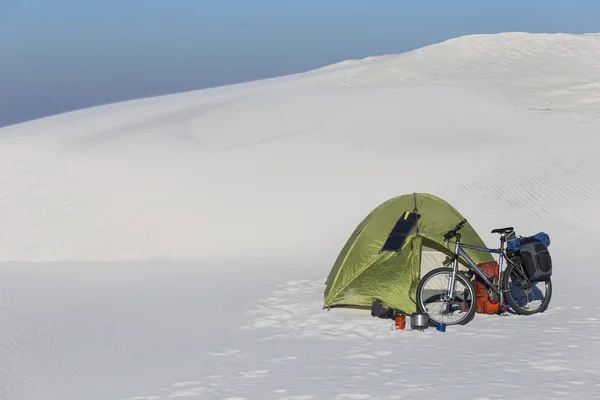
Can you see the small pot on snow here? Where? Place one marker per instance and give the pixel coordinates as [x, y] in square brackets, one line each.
[419, 321]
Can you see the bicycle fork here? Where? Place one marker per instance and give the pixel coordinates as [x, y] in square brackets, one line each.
[450, 299]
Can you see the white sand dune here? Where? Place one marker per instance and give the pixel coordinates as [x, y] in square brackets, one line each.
[180, 243]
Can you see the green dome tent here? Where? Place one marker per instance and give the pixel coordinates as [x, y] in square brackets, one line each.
[392, 248]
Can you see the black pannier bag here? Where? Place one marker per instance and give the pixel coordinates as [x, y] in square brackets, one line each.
[536, 260]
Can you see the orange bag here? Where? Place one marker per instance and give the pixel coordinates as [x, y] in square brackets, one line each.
[487, 302]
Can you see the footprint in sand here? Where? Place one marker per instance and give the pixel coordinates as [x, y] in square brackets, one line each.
[254, 374]
[186, 384]
[360, 356]
[282, 359]
[187, 393]
[383, 353]
[550, 365]
[267, 322]
[352, 396]
[140, 398]
[225, 352]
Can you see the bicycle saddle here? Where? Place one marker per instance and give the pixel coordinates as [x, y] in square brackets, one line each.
[503, 230]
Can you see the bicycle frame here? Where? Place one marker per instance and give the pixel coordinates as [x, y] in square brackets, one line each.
[459, 252]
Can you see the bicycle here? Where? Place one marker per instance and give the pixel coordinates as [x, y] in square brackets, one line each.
[502, 289]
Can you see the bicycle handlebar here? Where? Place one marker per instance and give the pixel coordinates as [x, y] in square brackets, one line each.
[450, 234]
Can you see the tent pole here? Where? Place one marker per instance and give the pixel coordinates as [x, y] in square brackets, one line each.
[416, 210]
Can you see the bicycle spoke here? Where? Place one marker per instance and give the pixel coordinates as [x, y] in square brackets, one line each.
[436, 302]
[527, 296]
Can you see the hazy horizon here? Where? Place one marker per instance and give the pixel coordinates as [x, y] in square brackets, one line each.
[62, 57]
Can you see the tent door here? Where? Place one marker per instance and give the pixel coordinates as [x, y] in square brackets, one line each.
[433, 258]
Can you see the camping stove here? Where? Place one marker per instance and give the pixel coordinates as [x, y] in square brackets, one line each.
[418, 321]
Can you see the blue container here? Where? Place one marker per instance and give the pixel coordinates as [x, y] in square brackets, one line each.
[441, 327]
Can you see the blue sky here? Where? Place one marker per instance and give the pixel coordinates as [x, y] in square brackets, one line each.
[61, 55]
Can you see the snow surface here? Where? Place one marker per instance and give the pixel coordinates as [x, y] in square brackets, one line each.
[177, 247]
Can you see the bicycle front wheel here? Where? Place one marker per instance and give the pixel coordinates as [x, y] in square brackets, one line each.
[433, 297]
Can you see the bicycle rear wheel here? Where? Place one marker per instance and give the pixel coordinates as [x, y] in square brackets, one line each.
[432, 297]
[523, 296]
